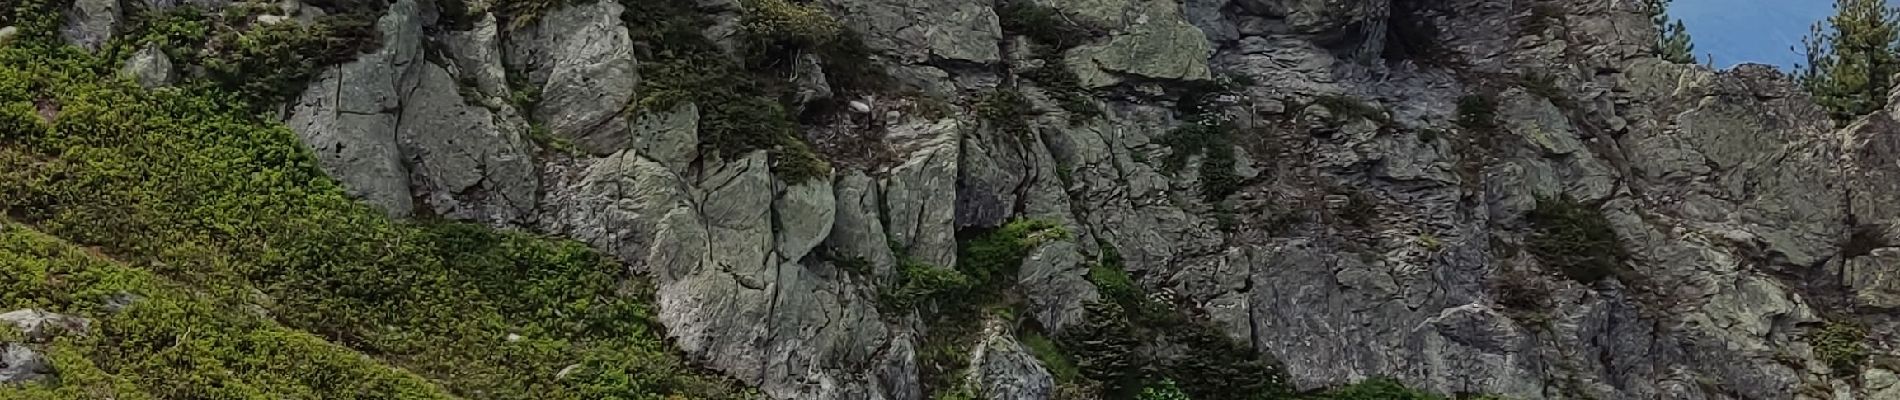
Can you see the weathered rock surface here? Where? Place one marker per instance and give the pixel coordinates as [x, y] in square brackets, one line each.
[467, 163]
[90, 23]
[1149, 39]
[150, 67]
[923, 32]
[1055, 278]
[41, 326]
[399, 134]
[1004, 370]
[1371, 233]
[729, 250]
[349, 114]
[580, 59]
[21, 364]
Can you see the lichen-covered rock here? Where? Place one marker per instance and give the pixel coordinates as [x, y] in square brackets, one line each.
[21, 364]
[858, 234]
[729, 252]
[91, 23]
[580, 59]
[1539, 122]
[149, 67]
[41, 326]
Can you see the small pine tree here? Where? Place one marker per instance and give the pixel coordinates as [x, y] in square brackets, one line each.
[1675, 44]
[1851, 58]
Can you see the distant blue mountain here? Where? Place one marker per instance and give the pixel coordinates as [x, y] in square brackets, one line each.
[1751, 31]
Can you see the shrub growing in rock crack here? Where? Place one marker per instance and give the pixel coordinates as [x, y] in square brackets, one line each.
[1545, 86]
[1842, 346]
[740, 109]
[1051, 34]
[1044, 25]
[1478, 113]
[1008, 112]
[918, 282]
[992, 258]
[1576, 239]
[1211, 139]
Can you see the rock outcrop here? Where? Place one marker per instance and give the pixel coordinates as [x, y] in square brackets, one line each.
[401, 133]
[1365, 207]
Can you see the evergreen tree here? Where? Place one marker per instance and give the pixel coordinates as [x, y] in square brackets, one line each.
[1674, 44]
[1851, 58]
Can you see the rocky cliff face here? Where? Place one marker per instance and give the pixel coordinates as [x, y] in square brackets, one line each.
[1356, 189]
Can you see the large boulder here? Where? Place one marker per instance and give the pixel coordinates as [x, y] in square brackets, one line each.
[920, 193]
[349, 115]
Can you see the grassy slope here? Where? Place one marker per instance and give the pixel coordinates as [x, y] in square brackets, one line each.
[215, 211]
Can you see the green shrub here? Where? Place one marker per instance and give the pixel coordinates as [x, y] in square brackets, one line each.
[1478, 113]
[1164, 390]
[1211, 139]
[37, 20]
[1052, 33]
[785, 23]
[917, 282]
[1106, 348]
[1052, 357]
[1576, 239]
[1112, 281]
[239, 213]
[171, 343]
[1544, 85]
[1044, 25]
[1214, 366]
[1842, 346]
[992, 259]
[740, 112]
[265, 64]
[1377, 389]
[1060, 83]
[519, 14]
[1007, 111]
